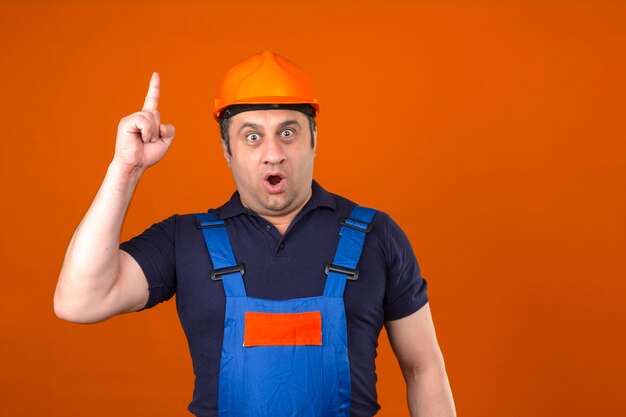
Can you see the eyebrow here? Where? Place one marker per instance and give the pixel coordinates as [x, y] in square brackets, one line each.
[249, 124]
[288, 123]
[280, 126]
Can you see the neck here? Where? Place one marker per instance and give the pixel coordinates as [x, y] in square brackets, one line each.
[282, 221]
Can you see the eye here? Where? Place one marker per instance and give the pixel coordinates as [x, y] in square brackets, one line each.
[287, 133]
[253, 137]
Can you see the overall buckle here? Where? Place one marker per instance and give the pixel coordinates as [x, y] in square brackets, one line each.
[216, 274]
[365, 228]
[209, 224]
[351, 274]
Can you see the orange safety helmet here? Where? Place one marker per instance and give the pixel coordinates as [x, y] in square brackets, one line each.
[265, 78]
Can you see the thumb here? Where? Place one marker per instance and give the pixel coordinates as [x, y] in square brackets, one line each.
[167, 133]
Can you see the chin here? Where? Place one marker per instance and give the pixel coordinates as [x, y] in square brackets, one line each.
[278, 203]
[276, 206]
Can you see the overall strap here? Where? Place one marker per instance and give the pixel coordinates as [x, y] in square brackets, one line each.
[352, 235]
[225, 267]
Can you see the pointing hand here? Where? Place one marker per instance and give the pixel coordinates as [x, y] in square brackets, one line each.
[142, 139]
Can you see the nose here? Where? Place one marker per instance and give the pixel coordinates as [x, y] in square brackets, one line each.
[273, 152]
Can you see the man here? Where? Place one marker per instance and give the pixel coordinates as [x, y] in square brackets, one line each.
[297, 336]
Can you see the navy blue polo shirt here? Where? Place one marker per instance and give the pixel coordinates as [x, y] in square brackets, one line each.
[174, 258]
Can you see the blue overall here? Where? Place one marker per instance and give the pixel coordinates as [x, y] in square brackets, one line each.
[301, 380]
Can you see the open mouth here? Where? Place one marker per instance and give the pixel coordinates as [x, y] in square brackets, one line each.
[274, 179]
[274, 182]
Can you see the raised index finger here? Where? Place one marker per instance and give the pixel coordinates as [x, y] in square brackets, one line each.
[154, 91]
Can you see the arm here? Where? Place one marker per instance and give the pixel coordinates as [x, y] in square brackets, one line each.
[414, 342]
[97, 279]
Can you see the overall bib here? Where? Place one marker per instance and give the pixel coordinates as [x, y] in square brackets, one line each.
[285, 358]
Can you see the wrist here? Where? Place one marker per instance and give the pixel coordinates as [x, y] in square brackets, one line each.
[124, 173]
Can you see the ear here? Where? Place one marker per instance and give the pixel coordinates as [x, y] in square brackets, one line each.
[225, 152]
[315, 142]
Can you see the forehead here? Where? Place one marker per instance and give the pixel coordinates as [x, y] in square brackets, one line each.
[268, 118]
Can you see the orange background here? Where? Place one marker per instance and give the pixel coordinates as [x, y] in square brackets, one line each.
[493, 132]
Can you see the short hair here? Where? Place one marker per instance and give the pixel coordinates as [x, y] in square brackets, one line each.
[225, 137]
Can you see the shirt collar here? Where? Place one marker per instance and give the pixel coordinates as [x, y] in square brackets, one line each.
[319, 198]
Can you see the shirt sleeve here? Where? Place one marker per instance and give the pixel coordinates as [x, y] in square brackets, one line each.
[154, 251]
[406, 290]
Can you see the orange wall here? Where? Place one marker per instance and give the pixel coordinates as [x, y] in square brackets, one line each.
[493, 132]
